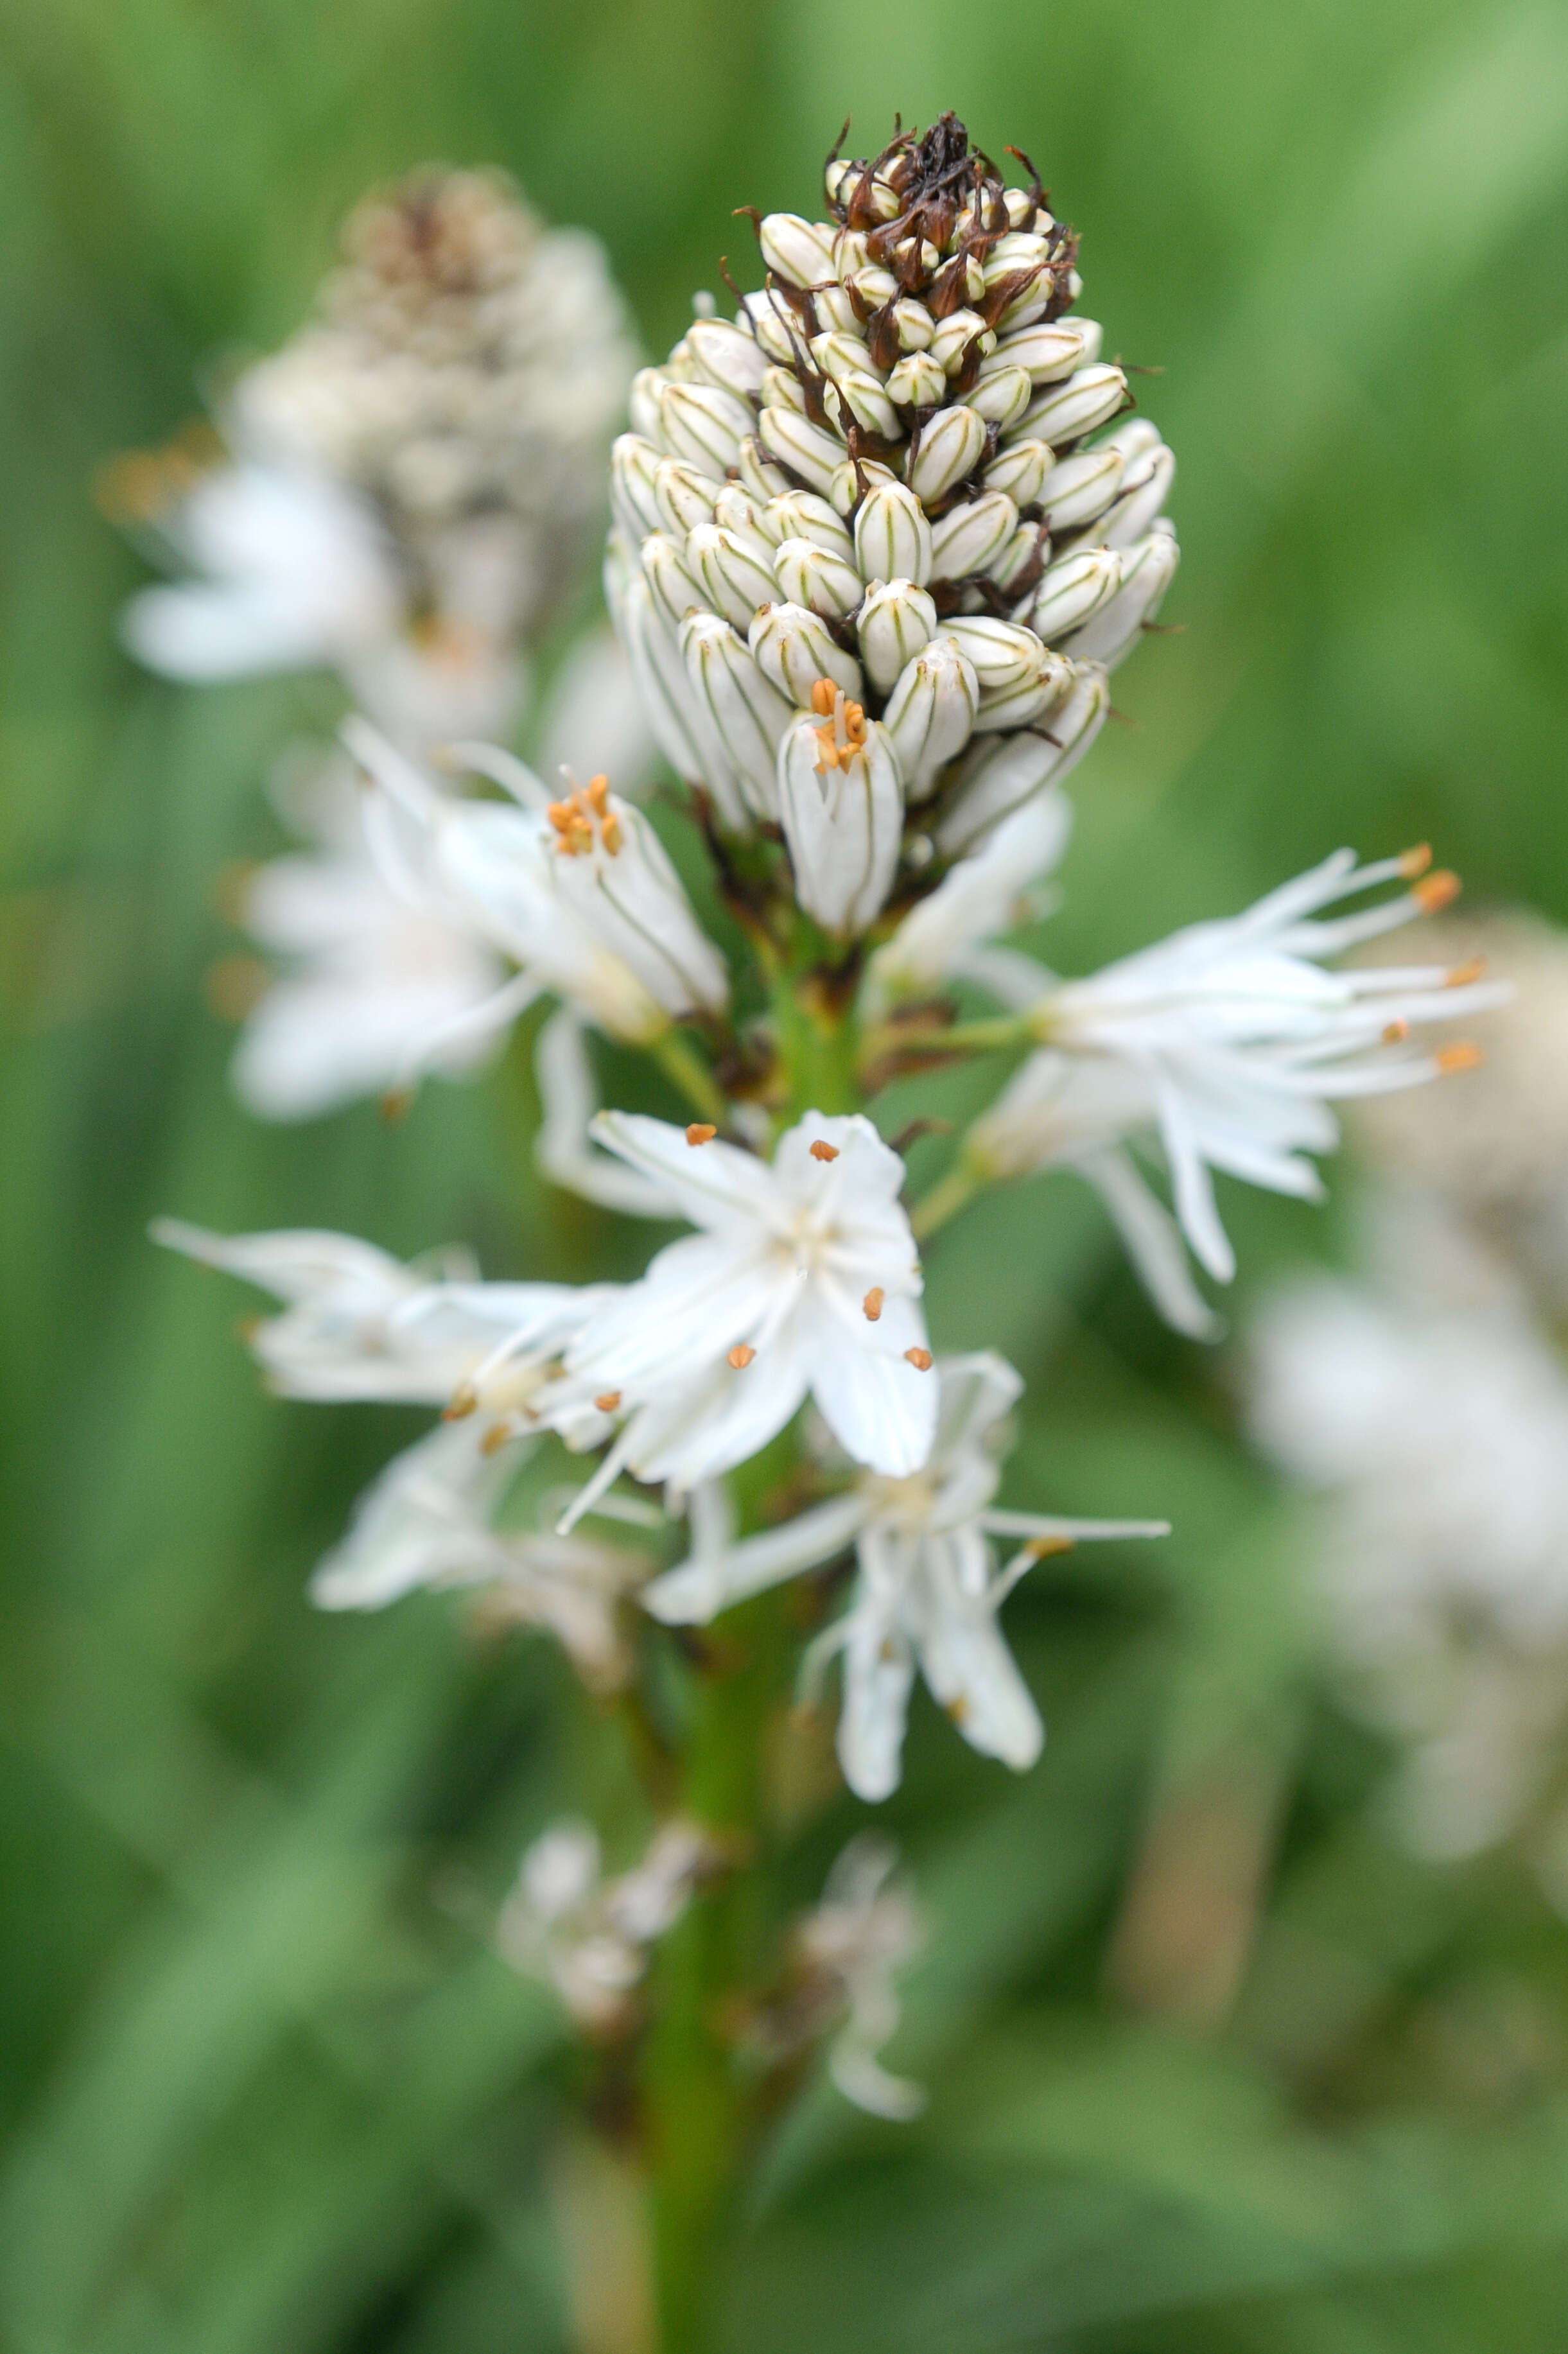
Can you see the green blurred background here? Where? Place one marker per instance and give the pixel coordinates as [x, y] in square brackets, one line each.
[1213, 2066]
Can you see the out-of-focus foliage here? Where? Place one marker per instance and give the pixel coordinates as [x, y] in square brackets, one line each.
[1213, 2067]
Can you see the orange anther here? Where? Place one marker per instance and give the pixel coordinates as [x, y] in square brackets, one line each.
[1395, 1032]
[872, 1303]
[1416, 862]
[607, 1401]
[1462, 1056]
[741, 1355]
[919, 1358]
[822, 693]
[597, 789]
[495, 1437]
[701, 1131]
[1436, 891]
[1459, 976]
[1041, 1548]
[463, 1401]
[822, 1151]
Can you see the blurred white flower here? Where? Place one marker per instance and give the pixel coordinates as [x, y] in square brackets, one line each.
[590, 1937]
[845, 1959]
[1437, 1435]
[928, 1592]
[805, 1278]
[1227, 1042]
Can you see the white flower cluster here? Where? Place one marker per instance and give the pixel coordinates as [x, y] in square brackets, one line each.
[588, 1937]
[415, 476]
[870, 568]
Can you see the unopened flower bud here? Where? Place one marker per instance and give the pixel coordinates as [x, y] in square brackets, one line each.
[1002, 399]
[875, 285]
[725, 355]
[606, 864]
[951, 445]
[632, 463]
[642, 401]
[1020, 470]
[684, 732]
[1004, 653]
[758, 474]
[897, 620]
[735, 581]
[1145, 487]
[1148, 569]
[1094, 336]
[782, 389]
[748, 714]
[861, 395]
[913, 324]
[801, 514]
[1073, 588]
[953, 335]
[1017, 564]
[892, 536]
[853, 479]
[1026, 703]
[770, 318]
[793, 650]
[930, 715]
[841, 807]
[1048, 351]
[703, 426]
[664, 568]
[969, 537]
[1081, 488]
[806, 449]
[837, 311]
[1065, 412]
[916, 381]
[813, 576]
[737, 512]
[684, 497]
[798, 251]
[992, 783]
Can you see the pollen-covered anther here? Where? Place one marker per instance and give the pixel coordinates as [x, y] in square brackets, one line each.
[608, 1400]
[740, 1356]
[495, 1437]
[585, 811]
[872, 1303]
[1436, 891]
[1395, 1032]
[1042, 1548]
[1463, 1054]
[821, 1150]
[1417, 861]
[701, 1131]
[1460, 976]
[463, 1401]
[919, 1358]
[843, 732]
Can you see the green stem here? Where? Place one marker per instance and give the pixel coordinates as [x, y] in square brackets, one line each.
[819, 1048]
[695, 2103]
[686, 1071]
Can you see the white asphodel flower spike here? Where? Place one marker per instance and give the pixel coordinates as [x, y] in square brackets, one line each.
[928, 1593]
[426, 1521]
[359, 1324]
[806, 1279]
[1228, 1043]
[579, 891]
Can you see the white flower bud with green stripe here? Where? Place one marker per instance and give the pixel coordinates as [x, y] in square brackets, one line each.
[1147, 571]
[749, 713]
[992, 783]
[793, 649]
[841, 799]
[931, 715]
[968, 539]
[893, 538]
[897, 620]
[1071, 589]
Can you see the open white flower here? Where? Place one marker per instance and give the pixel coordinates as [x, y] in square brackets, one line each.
[805, 1278]
[579, 891]
[294, 572]
[428, 1521]
[381, 977]
[590, 1937]
[360, 1324]
[1228, 1041]
[928, 1593]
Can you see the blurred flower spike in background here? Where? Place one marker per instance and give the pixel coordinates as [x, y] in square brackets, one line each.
[502, 1952]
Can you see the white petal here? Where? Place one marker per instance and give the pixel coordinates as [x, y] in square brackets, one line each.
[700, 1588]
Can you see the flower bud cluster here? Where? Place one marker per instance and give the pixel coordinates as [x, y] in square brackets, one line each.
[878, 483]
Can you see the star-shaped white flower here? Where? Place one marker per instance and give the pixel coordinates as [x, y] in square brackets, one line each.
[359, 1324]
[1228, 1041]
[805, 1278]
[928, 1593]
[428, 1521]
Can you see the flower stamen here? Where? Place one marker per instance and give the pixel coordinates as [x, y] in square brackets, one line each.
[872, 1303]
[843, 733]
[740, 1356]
